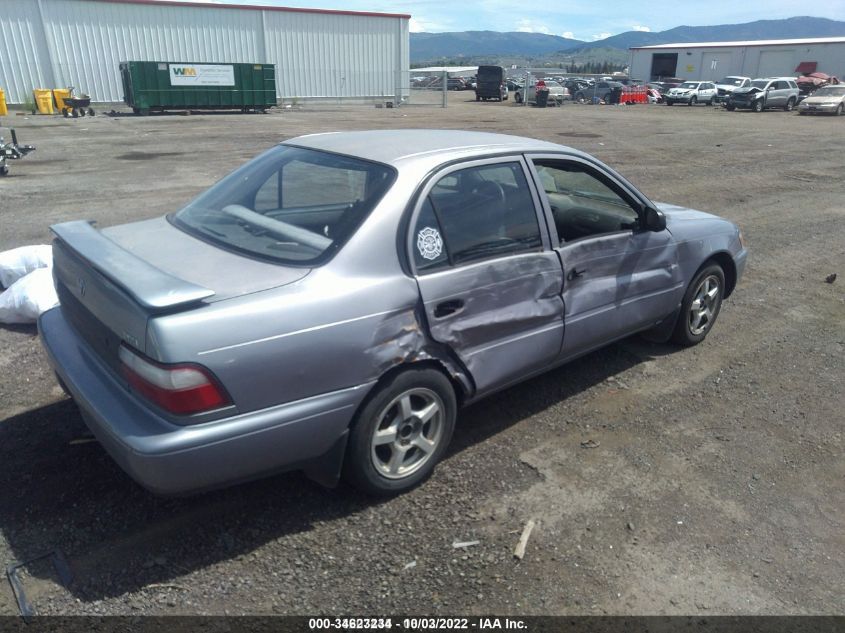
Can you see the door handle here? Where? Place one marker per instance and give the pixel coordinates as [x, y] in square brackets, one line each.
[575, 273]
[447, 308]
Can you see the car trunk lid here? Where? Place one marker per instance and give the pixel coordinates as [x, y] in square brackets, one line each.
[111, 282]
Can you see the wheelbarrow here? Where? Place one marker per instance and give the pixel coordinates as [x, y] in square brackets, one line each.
[75, 106]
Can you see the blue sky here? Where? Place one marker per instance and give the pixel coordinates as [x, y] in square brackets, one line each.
[573, 18]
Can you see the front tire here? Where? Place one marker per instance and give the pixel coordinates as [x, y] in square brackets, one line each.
[840, 110]
[518, 97]
[700, 307]
[401, 432]
[692, 101]
[758, 106]
[730, 108]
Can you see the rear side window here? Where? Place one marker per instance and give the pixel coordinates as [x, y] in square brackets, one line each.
[476, 213]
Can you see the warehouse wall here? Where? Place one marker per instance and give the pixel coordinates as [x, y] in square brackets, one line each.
[56, 43]
[750, 61]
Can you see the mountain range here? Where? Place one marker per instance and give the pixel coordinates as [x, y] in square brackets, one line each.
[433, 47]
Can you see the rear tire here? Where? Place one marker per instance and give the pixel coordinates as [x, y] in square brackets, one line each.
[840, 110]
[4, 170]
[518, 97]
[700, 306]
[401, 432]
[668, 103]
[730, 108]
[789, 105]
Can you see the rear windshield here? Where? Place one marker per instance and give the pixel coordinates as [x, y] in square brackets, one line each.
[290, 204]
[731, 81]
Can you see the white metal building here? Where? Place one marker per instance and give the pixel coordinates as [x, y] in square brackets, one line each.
[317, 53]
[754, 58]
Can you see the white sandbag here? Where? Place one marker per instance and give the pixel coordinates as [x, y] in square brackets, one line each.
[28, 297]
[18, 262]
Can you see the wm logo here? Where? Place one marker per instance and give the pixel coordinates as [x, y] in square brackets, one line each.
[185, 72]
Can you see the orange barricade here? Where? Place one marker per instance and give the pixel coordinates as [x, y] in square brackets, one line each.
[634, 94]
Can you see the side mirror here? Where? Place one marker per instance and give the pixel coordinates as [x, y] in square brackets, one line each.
[654, 220]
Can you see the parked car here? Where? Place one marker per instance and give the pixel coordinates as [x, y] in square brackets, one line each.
[728, 84]
[654, 96]
[772, 92]
[825, 100]
[557, 93]
[329, 305]
[575, 85]
[598, 91]
[491, 84]
[692, 92]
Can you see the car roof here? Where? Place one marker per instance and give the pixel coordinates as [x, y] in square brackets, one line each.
[397, 146]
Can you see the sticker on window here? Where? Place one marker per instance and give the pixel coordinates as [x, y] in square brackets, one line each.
[429, 243]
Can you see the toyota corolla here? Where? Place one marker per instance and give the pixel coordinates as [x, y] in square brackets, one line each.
[330, 305]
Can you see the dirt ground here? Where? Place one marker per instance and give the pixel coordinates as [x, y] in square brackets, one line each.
[716, 486]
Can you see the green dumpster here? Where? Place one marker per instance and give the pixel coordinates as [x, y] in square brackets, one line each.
[159, 86]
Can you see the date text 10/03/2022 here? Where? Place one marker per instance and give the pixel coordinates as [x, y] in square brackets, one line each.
[416, 624]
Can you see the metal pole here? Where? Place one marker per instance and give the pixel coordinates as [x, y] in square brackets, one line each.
[445, 79]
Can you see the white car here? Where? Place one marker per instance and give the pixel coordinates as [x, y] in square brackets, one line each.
[557, 93]
[825, 100]
[727, 85]
[692, 92]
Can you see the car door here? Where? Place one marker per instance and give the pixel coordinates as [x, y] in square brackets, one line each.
[618, 277]
[775, 97]
[489, 281]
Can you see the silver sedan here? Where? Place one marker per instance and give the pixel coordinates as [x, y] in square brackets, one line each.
[331, 304]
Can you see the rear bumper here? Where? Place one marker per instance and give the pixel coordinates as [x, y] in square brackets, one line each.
[171, 459]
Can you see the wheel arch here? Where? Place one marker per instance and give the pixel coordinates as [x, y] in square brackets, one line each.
[461, 382]
[728, 266]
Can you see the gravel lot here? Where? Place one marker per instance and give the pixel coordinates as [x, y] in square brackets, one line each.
[716, 486]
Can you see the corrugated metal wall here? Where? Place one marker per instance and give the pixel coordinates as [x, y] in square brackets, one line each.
[82, 42]
[751, 61]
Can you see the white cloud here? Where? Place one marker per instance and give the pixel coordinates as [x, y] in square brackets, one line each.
[644, 29]
[568, 35]
[601, 36]
[527, 26]
[421, 25]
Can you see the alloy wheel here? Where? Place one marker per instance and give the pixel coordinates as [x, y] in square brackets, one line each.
[704, 304]
[408, 433]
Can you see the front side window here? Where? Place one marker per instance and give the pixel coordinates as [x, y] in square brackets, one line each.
[290, 205]
[476, 213]
[583, 204]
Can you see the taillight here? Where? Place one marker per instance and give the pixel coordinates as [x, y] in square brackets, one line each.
[181, 389]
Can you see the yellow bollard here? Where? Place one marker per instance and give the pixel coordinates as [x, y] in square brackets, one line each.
[3, 109]
[44, 100]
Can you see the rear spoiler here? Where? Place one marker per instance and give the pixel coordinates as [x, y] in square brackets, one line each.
[152, 288]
